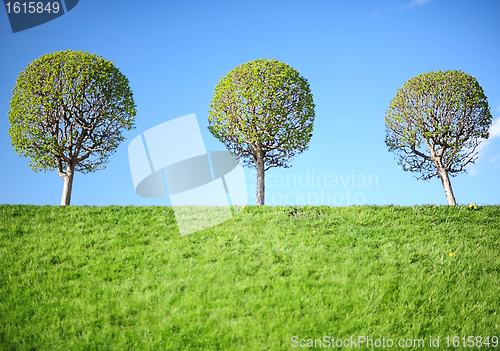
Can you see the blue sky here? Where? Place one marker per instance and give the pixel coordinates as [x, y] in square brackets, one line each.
[355, 55]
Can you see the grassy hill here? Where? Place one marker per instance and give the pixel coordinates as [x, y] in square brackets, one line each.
[123, 278]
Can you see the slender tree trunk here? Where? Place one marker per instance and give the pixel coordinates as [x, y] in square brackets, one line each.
[68, 185]
[259, 201]
[443, 174]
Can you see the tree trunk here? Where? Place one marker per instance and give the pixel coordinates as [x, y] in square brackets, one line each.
[443, 174]
[259, 201]
[68, 185]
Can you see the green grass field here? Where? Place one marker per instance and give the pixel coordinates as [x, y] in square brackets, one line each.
[118, 278]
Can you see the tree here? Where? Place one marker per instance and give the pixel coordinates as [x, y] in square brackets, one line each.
[435, 124]
[263, 112]
[67, 112]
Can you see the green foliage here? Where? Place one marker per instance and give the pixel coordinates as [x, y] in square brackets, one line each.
[70, 108]
[437, 115]
[263, 108]
[123, 278]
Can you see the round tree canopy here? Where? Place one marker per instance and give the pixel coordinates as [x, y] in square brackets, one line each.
[437, 120]
[263, 109]
[68, 110]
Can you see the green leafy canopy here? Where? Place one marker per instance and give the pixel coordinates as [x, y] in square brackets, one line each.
[437, 117]
[69, 108]
[263, 109]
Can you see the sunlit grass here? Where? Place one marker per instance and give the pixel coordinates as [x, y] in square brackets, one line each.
[123, 278]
